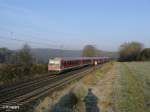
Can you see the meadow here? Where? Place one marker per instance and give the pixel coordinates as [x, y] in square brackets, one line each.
[132, 87]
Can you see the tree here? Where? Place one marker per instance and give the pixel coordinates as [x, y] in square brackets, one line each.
[89, 51]
[144, 55]
[130, 51]
[24, 60]
[24, 56]
[4, 55]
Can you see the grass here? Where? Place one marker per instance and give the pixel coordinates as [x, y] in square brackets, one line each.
[132, 92]
[93, 77]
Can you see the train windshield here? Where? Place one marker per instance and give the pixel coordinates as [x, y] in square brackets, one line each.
[54, 62]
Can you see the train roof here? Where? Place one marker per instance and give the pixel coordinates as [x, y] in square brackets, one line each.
[76, 58]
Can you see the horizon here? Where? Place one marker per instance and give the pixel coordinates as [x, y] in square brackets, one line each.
[71, 25]
[58, 49]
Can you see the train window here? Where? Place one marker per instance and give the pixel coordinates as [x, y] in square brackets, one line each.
[65, 63]
[68, 62]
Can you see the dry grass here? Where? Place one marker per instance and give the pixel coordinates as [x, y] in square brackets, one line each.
[49, 101]
[93, 77]
[101, 82]
[119, 88]
[80, 88]
[104, 88]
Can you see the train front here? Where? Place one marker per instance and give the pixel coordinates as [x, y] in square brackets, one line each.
[54, 65]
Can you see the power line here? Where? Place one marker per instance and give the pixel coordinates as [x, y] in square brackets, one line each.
[13, 33]
[51, 43]
[27, 41]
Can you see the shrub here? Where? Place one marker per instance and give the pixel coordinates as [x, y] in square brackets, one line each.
[130, 51]
[144, 55]
[11, 73]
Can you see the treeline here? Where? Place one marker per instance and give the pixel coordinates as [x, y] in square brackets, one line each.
[19, 65]
[134, 51]
[92, 51]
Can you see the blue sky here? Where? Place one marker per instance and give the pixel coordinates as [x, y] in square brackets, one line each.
[71, 24]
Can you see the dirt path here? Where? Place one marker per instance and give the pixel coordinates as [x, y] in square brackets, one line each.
[104, 90]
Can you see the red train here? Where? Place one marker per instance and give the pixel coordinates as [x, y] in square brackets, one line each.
[61, 64]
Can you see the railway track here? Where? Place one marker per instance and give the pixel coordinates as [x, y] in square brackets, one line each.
[27, 92]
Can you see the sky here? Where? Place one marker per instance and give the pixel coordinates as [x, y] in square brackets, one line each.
[72, 24]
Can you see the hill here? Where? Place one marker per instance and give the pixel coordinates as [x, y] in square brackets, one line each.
[43, 55]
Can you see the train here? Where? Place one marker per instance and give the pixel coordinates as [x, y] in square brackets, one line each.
[62, 64]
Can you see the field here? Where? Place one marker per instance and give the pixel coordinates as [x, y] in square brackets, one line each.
[124, 87]
[120, 87]
[132, 87]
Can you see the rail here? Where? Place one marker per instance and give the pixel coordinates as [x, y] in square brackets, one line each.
[29, 92]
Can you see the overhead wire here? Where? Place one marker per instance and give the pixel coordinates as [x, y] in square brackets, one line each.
[28, 41]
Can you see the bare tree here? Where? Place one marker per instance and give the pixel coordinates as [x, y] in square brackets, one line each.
[25, 60]
[24, 55]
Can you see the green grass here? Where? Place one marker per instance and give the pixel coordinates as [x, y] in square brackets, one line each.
[132, 92]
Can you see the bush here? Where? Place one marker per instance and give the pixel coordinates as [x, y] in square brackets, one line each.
[11, 73]
[39, 68]
[144, 55]
[130, 51]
